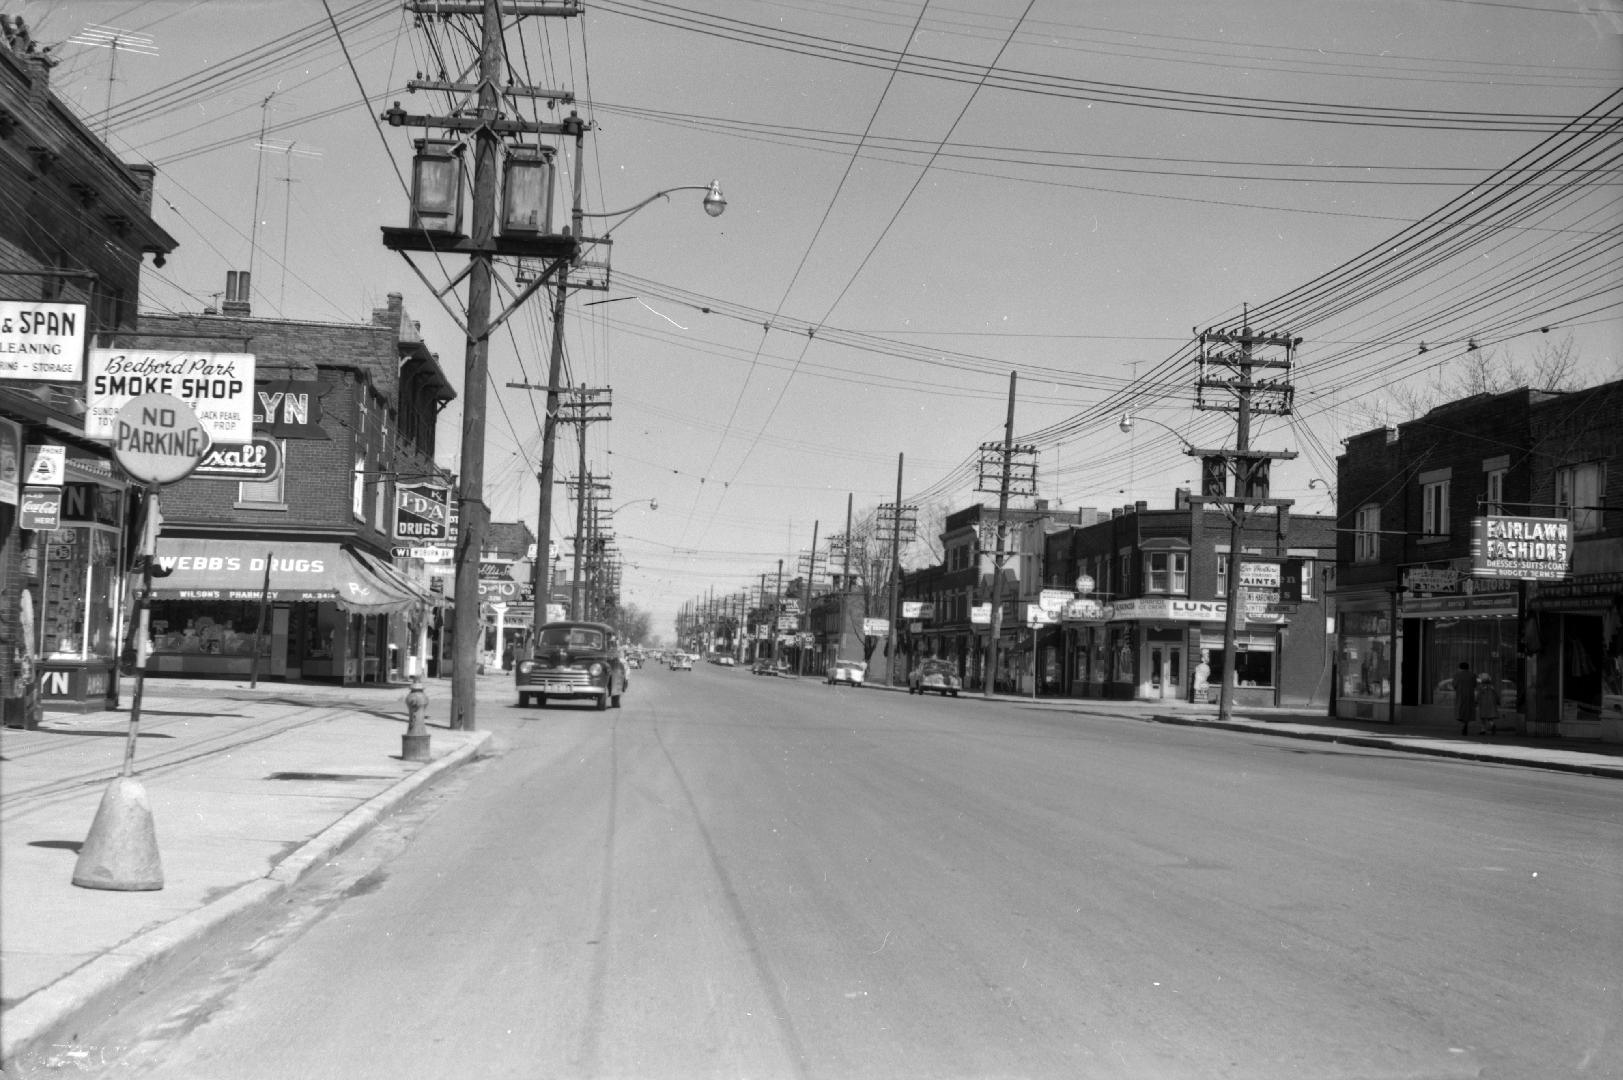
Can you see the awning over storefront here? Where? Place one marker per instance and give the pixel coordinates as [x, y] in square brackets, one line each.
[299, 571]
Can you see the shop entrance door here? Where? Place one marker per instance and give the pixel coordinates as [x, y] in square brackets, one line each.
[1166, 672]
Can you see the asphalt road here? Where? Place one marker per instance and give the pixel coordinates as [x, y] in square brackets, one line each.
[737, 876]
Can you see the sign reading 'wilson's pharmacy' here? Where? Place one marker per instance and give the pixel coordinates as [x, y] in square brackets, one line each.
[1529, 548]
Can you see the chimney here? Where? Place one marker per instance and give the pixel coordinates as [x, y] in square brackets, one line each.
[236, 294]
[1115, 511]
[1140, 506]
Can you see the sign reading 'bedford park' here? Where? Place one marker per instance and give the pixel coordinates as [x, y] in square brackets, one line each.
[1528, 548]
[218, 386]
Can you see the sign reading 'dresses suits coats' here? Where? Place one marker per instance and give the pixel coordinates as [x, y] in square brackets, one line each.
[218, 386]
[1528, 548]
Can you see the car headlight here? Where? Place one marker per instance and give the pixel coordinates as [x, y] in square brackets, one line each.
[525, 667]
[597, 670]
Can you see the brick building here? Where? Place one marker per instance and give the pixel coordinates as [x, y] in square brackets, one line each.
[75, 226]
[1414, 604]
[300, 566]
[1158, 599]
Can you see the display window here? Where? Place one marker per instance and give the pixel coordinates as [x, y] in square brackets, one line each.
[78, 594]
[1364, 650]
[1487, 645]
[211, 629]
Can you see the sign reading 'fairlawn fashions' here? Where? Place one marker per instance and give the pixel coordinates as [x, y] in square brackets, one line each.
[1528, 548]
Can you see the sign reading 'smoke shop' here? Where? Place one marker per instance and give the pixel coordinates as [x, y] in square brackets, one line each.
[219, 388]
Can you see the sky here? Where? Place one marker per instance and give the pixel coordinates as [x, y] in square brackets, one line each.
[928, 203]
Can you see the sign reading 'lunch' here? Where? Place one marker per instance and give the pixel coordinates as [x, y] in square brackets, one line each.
[218, 386]
[1528, 548]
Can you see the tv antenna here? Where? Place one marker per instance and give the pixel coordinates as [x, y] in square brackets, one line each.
[114, 41]
[289, 151]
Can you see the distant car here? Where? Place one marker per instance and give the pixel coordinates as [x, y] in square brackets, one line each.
[765, 665]
[940, 676]
[850, 672]
[572, 661]
[727, 661]
[681, 662]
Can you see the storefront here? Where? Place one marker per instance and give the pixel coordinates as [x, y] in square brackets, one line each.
[309, 610]
[72, 577]
[1365, 669]
[1440, 632]
[1171, 649]
[1574, 632]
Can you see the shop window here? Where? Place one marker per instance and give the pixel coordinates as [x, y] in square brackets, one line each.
[1434, 508]
[1367, 534]
[1252, 667]
[1364, 649]
[1487, 645]
[1166, 572]
[1578, 492]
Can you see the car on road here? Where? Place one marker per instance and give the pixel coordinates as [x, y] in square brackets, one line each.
[938, 676]
[572, 661]
[681, 662]
[849, 672]
[765, 665]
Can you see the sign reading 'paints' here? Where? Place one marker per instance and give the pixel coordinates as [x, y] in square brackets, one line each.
[218, 386]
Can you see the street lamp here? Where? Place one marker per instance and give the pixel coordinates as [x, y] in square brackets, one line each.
[714, 203]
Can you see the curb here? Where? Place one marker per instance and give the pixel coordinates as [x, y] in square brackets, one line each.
[32, 1024]
[1614, 772]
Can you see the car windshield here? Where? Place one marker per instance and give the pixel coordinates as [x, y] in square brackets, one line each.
[573, 637]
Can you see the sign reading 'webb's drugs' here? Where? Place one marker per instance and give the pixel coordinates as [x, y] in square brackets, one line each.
[1529, 548]
[218, 386]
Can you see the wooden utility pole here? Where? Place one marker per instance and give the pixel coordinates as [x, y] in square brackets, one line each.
[1235, 360]
[1014, 468]
[487, 125]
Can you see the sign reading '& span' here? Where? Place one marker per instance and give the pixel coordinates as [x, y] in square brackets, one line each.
[1528, 548]
[218, 386]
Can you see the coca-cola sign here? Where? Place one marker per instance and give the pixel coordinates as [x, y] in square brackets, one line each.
[258, 460]
[40, 509]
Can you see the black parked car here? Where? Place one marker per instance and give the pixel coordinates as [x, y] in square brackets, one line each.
[572, 661]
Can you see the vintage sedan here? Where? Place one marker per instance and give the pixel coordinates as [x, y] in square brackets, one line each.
[572, 661]
[681, 662]
[939, 676]
[849, 672]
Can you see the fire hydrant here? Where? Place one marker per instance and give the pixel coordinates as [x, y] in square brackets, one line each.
[414, 743]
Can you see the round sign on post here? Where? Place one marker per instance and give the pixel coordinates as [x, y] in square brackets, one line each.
[158, 439]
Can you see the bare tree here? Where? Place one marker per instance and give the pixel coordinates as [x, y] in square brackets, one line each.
[1554, 366]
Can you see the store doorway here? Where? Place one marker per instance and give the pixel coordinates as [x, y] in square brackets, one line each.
[1165, 669]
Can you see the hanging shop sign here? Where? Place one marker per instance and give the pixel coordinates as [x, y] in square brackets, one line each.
[495, 571]
[922, 610]
[981, 615]
[422, 514]
[1037, 615]
[1524, 548]
[1086, 610]
[42, 342]
[1054, 600]
[40, 509]
[219, 387]
[875, 627]
[257, 461]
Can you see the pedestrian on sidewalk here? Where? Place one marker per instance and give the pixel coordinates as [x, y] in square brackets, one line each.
[1487, 703]
[1464, 684]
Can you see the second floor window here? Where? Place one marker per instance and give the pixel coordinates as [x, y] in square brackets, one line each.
[1495, 500]
[1578, 491]
[1434, 508]
[1367, 534]
[1166, 572]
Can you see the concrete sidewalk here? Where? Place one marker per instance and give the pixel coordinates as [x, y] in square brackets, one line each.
[1433, 740]
[250, 789]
